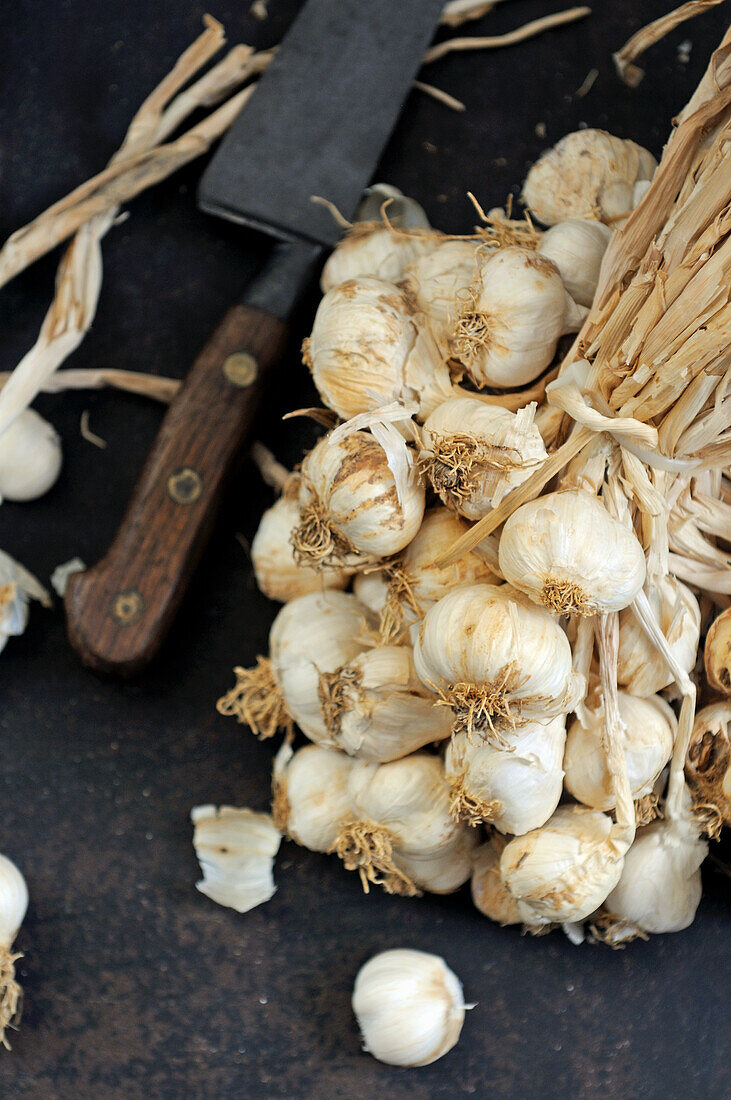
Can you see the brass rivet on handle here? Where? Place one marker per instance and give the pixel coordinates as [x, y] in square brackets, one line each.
[240, 368]
[127, 606]
[184, 485]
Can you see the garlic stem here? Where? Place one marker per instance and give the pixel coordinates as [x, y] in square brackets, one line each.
[607, 633]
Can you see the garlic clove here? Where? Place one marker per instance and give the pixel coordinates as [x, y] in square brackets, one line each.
[641, 670]
[30, 457]
[488, 889]
[409, 1007]
[577, 247]
[13, 907]
[236, 850]
[310, 794]
[717, 653]
[278, 574]
[708, 764]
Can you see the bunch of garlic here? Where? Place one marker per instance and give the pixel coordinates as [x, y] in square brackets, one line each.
[641, 669]
[30, 457]
[588, 174]
[13, 906]
[708, 763]
[278, 573]
[17, 587]
[236, 850]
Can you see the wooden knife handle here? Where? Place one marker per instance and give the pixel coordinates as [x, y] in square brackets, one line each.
[119, 610]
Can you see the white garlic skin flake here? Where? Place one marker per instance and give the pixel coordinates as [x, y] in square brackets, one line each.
[236, 850]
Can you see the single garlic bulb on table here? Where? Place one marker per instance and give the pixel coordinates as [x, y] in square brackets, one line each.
[409, 1007]
[13, 906]
[351, 511]
[496, 660]
[473, 454]
[488, 889]
[278, 574]
[438, 281]
[588, 174]
[717, 653]
[641, 670]
[577, 248]
[367, 349]
[510, 321]
[708, 762]
[30, 457]
[567, 553]
[515, 787]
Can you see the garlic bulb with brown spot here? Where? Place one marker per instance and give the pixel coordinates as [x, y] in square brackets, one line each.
[514, 787]
[566, 552]
[717, 653]
[488, 889]
[409, 1007]
[375, 249]
[647, 740]
[30, 457]
[496, 660]
[708, 764]
[510, 321]
[641, 670]
[577, 248]
[13, 906]
[350, 511]
[588, 174]
[278, 574]
[438, 282]
[310, 794]
[473, 454]
[236, 850]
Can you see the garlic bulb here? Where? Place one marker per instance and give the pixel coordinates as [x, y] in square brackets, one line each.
[409, 1007]
[367, 349]
[30, 457]
[641, 670]
[13, 906]
[350, 511]
[516, 787]
[438, 282]
[496, 659]
[376, 708]
[473, 454]
[278, 574]
[236, 850]
[566, 552]
[577, 248]
[488, 889]
[372, 589]
[17, 587]
[647, 742]
[510, 321]
[717, 653]
[400, 834]
[374, 248]
[310, 795]
[587, 174]
[708, 763]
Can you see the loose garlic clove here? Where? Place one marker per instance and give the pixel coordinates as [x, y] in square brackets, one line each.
[588, 174]
[30, 457]
[647, 740]
[375, 249]
[13, 906]
[566, 552]
[577, 248]
[641, 670]
[473, 454]
[717, 654]
[488, 889]
[409, 1007]
[438, 282]
[377, 709]
[515, 788]
[510, 321]
[236, 850]
[310, 795]
[278, 574]
[350, 511]
[708, 764]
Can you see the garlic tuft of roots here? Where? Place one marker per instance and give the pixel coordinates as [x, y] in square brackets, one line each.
[376, 249]
[278, 574]
[236, 850]
[473, 454]
[13, 906]
[409, 1007]
[577, 248]
[488, 889]
[30, 457]
[641, 670]
[351, 513]
[438, 282]
[496, 660]
[717, 654]
[17, 587]
[708, 765]
[310, 794]
[511, 318]
[567, 553]
[588, 174]
[515, 787]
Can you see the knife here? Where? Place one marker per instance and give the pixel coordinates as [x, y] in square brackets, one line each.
[315, 125]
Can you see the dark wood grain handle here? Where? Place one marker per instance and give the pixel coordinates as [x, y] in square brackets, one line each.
[119, 610]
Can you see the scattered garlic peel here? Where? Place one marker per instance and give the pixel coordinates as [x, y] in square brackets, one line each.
[236, 850]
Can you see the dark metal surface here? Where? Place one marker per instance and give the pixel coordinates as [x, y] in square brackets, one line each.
[136, 985]
[318, 121]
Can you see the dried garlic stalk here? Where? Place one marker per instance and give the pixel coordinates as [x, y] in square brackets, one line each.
[623, 59]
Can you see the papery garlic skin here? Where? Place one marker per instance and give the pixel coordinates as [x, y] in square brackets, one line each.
[488, 889]
[647, 740]
[708, 762]
[564, 870]
[374, 249]
[278, 575]
[409, 1006]
[438, 282]
[497, 659]
[641, 670]
[350, 512]
[474, 454]
[516, 787]
[17, 587]
[566, 552]
[577, 248]
[588, 174]
[30, 457]
[509, 324]
[311, 795]
[717, 653]
[236, 850]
